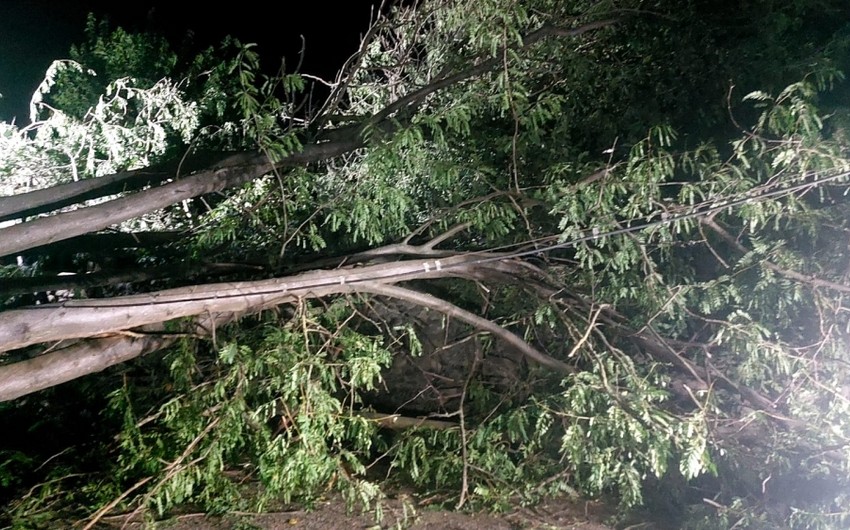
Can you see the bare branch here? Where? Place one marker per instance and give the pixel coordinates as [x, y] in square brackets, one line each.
[399, 422]
[87, 318]
[426, 300]
[62, 226]
[75, 361]
[101, 242]
[55, 197]
[35, 284]
[448, 234]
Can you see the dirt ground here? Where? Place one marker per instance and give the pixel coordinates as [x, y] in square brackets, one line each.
[401, 513]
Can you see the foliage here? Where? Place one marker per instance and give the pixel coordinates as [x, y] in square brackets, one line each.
[108, 54]
[284, 407]
[129, 125]
[685, 270]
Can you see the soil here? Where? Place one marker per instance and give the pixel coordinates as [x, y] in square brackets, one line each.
[402, 513]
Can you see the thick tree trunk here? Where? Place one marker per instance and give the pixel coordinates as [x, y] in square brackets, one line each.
[108, 325]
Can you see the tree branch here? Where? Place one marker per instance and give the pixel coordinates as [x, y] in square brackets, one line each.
[35, 284]
[86, 318]
[94, 355]
[432, 302]
[55, 197]
[104, 242]
[812, 281]
[104, 321]
[75, 361]
[65, 225]
[417, 96]
[399, 422]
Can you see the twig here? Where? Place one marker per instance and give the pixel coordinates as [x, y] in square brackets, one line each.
[464, 490]
[448, 234]
[587, 332]
[172, 469]
[103, 511]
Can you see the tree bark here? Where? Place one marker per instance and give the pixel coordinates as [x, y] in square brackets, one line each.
[72, 362]
[36, 284]
[46, 230]
[49, 199]
[107, 325]
[86, 318]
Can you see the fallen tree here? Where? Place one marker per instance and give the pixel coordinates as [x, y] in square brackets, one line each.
[592, 316]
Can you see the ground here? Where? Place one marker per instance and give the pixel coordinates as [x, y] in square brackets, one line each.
[401, 512]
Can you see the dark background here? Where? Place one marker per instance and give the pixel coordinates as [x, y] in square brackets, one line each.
[33, 33]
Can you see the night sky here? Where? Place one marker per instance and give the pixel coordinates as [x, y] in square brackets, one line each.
[35, 32]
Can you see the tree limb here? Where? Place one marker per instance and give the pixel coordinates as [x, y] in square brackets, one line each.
[399, 422]
[89, 356]
[87, 318]
[35, 284]
[432, 302]
[812, 281]
[55, 197]
[103, 242]
[417, 96]
[65, 225]
[75, 361]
